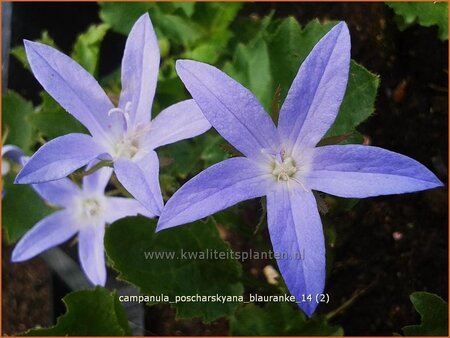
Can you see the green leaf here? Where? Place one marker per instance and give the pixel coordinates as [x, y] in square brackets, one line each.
[191, 27]
[273, 59]
[121, 16]
[216, 16]
[169, 91]
[184, 8]
[279, 319]
[22, 207]
[14, 120]
[359, 100]
[51, 120]
[424, 13]
[252, 68]
[210, 49]
[86, 49]
[89, 313]
[212, 150]
[19, 51]
[289, 46]
[188, 157]
[129, 240]
[177, 28]
[434, 313]
[183, 158]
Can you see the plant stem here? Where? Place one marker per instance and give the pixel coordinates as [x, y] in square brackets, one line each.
[99, 165]
[350, 301]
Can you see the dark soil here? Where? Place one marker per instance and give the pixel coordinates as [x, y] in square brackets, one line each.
[387, 247]
[25, 294]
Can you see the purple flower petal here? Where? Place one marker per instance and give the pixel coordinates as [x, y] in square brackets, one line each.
[363, 171]
[216, 188]
[74, 88]
[58, 158]
[297, 239]
[60, 192]
[120, 207]
[49, 232]
[97, 181]
[14, 153]
[140, 66]
[178, 122]
[231, 108]
[91, 253]
[316, 94]
[142, 181]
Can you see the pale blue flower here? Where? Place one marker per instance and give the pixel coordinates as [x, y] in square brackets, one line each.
[284, 164]
[84, 211]
[124, 135]
[10, 152]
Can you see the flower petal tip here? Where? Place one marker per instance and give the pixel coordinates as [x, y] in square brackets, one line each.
[27, 42]
[101, 281]
[342, 25]
[33, 47]
[308, 308]
[182, 64]
[20, 179]
[20, 254]
[160, 226]
[144, 20]
[145, 16]
[16, 257]
[438, 183]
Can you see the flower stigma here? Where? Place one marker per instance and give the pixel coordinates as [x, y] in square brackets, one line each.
[127, 146]
[124, 113]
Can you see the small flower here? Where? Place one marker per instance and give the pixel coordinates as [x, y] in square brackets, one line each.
[284, 164]
[13, 154]
[124, 134]
[85, 211]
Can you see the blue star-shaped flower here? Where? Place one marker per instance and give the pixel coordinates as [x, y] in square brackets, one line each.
[284, 164]
[124, 134]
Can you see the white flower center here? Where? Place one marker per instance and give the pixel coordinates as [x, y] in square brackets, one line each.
[285, 169]
[126, 147]
[91, 207]
[90, 210]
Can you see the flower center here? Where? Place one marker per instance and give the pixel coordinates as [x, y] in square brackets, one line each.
[90, 210]
[285, 169]
[90, 207]
[126, 147]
